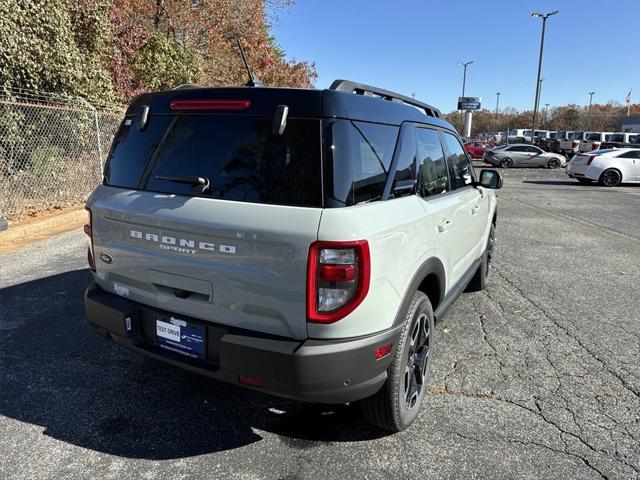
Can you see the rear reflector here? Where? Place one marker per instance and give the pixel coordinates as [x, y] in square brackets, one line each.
[383, 351]
[209, 104]
[251, 381]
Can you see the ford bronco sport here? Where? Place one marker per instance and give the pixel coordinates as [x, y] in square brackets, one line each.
[300, 242]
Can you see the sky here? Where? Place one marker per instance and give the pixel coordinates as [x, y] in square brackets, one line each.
[413, 46]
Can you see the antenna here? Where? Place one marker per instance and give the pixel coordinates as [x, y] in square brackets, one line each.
[253, 80]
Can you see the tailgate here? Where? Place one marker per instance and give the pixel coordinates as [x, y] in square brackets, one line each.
[233, 263]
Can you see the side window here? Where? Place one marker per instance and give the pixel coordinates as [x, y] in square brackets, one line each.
[517, 149]
[533, 150]
[404, 179]
[460, 168]
[361, 154]
[633, 154]
[432, 168]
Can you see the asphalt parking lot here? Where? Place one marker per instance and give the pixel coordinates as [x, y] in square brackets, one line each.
[538, 377]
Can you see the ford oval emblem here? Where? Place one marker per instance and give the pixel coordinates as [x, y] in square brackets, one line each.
[106, 258]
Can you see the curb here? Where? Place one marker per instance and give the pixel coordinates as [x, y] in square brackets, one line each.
[22, 236]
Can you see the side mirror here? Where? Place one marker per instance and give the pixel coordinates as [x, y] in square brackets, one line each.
[490, 179]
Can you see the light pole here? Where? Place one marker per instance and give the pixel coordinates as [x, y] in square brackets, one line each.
[589, 111]
[464, 83]
[495, 118]
[535, 103]
[546, 115]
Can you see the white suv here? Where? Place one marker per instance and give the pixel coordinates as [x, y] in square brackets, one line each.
[299, 242]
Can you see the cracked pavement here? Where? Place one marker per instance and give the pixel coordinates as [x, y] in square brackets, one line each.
[538, 377]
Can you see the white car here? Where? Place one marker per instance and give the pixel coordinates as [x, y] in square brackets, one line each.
[608, 167]
[593, 141]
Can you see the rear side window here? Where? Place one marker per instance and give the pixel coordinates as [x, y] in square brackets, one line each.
[432, 168]
[460, 169]
[358, 159]
[239, 155]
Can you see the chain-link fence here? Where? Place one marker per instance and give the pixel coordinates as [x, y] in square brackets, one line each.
[52, 150]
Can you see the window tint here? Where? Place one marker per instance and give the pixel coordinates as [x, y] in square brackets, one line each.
[404, 179]
[432, 168]
[359, 155]
[533, 149]
[517, 149]
[633, 154]
[593, 136]
[239, 155]
[131, 150]
[460, 169]
[616, 137]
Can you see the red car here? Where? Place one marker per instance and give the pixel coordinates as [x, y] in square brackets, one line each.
[476, 149]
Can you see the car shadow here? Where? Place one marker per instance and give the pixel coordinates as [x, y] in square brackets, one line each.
[558, 182]
[87, 391]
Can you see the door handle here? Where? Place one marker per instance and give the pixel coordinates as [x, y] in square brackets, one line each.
[444, 226]
[475, 209]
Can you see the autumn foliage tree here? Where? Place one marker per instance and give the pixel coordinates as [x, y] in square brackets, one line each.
[108, 50]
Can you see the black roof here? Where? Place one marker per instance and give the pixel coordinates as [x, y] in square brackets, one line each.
[362, 105]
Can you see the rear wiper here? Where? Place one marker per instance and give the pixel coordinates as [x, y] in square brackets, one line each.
[203, 183]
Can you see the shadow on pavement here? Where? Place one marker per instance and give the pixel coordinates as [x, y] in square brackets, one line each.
[83, 390]
[572, 183]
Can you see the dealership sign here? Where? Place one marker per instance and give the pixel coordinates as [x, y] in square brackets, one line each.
[469, 103]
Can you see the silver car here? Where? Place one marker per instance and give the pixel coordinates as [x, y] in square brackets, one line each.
[523, 155]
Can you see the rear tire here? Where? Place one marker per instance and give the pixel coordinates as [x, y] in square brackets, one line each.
[481, 278]
[397, 403]
[506, 163]
[610, 178]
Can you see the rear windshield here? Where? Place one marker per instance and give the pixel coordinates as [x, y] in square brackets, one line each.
[575, 135]
[616, 137]
[238, 155]
[593, 136]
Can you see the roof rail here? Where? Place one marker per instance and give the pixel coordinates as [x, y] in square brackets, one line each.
[362, 89]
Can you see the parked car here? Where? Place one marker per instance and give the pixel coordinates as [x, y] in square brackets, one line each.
[553, 143]
[305, 256]
[476, 149]
[609, 167]
[523, 155]
[621, 140]
[541, 137]
[570, 145]
[593, 140]
[518, 135]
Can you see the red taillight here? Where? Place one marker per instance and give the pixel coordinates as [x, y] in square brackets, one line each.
[209, 104]
[251, 381]
[591, 157]
[338, 276]
[383, 351]
[88, 230]
[595, 146]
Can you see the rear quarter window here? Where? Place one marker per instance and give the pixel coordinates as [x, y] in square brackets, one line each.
[358, 158]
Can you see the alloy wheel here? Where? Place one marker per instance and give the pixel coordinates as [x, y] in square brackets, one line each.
[416, 364]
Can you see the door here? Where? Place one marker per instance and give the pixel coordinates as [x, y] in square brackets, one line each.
[536, 157]
[519, 155]
[630, 166]
[441, 205]
[473, 210]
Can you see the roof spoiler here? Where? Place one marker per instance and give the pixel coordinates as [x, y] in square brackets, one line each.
[362, 89]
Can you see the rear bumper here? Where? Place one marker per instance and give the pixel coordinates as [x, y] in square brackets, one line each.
[322, 371]
[582, 171]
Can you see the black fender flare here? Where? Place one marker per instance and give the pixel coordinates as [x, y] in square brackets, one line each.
[432, 265]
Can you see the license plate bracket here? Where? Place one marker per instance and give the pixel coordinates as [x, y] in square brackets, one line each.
[180, 336]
